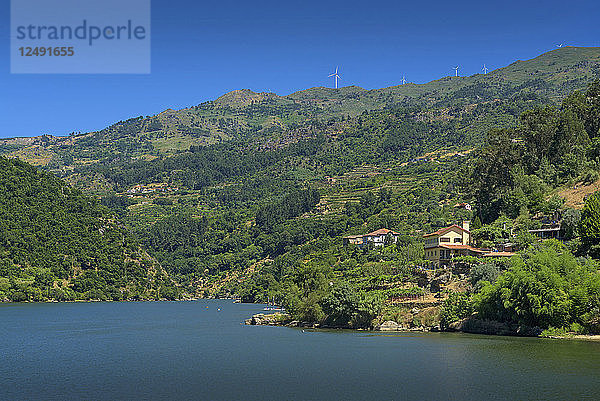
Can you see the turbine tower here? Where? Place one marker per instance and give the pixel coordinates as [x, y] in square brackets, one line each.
[456, 68]
[484, 69]
[335, 74]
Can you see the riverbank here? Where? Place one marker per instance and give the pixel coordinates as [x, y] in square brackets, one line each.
[583, 337]
[284, 319]
[469, 326]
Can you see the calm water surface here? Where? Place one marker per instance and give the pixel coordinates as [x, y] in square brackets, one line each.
[193, 350]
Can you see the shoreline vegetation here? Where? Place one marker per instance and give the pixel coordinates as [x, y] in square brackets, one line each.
[544, 291]
[55, 301]
[466, 326]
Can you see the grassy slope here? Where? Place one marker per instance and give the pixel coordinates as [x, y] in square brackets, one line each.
[574, 195]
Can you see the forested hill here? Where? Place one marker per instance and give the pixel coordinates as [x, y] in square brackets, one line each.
[272, 121]
[261, 213]
[57, 244]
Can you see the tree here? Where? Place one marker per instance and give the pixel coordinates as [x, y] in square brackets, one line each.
[570, 223]
[457, 306]
[593, 150]
[340, 306]
[484, 272]
[476, 223]
[346, 307]
[589, 227]
[546, 286]
[491, 178]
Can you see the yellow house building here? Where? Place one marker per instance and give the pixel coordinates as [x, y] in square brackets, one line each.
[441, 246]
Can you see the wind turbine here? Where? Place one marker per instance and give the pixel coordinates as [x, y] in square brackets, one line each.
[403, 80]
[456, 68]
[335, 74]
[484, 69]
[560, 45]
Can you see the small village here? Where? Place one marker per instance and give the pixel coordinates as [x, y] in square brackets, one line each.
[443, 245]
[440, 246]
[442, 272]
[448, 254]
[160, 187]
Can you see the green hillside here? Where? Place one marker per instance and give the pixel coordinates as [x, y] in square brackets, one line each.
[251, 194]
[55, 243]
[273, 120]
[422, 167]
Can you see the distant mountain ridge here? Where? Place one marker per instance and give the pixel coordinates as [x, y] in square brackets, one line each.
[566, 68]
[268, 117]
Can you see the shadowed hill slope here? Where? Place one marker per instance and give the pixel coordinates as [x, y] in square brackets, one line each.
[55, 243]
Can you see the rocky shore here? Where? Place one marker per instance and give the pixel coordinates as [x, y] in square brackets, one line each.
[469, 325]
[277, 319]
[284, 319]
[474, 325]
[390, 325]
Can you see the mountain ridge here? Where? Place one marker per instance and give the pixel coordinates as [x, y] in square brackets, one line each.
[268, 117]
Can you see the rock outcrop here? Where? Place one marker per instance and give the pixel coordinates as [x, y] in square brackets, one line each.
[389, 325]
[483, 326]
[271, 319]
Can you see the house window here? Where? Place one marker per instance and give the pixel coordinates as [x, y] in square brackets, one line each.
[457, 239]
[444, 239]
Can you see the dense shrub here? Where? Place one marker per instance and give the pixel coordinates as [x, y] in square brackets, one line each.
[546, 287]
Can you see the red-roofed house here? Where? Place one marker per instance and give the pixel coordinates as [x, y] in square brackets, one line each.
[377, 238]
[443, 244]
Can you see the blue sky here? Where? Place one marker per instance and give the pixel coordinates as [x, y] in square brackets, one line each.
[201, 50]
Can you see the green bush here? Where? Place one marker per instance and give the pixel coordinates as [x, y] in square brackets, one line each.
[457, 306]
[546, 286]
[589, 226]
[482, 274]
[346, 307]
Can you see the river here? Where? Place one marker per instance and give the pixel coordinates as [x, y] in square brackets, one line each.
[200, 350]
